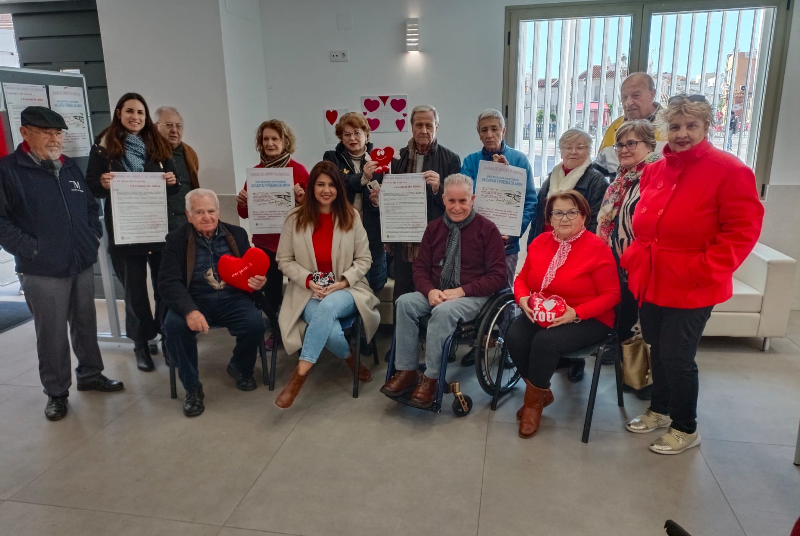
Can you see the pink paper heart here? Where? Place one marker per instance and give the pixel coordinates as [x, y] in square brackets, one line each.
[371, 104]
[374, 124]
[400, 124]
[398, 105]
[365, 113]
[331, 116]
[404, 114]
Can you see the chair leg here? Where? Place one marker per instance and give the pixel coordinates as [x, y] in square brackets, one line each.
[173, 388]
[618, 372]
[357, 356]
[272, 366]
[497, 385]
[374, 347]
[262, 351]
[765, 344]
[587, 424]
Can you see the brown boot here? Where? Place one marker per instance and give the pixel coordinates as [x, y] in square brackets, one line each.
[289, 393]
[364, 374]
[403, 381]
[531, 410]
[548, 399]
[425, 393]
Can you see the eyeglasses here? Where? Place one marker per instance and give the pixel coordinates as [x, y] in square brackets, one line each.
[574, 149]
[355, 134]
[559, 215]
[630, 145]
[691, 98]
[170, 126]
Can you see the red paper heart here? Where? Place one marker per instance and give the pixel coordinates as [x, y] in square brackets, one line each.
[546, 310]
[374, 124]
[235, 271]
[365, 113]
[371, 104]
[404, 114]
[400, 124]
[398, 105]
[331, 116]
[384, 99]
[382, 156]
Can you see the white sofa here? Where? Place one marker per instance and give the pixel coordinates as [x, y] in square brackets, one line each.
[763, 290]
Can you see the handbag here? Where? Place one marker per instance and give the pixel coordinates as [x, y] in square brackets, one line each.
[636, 367]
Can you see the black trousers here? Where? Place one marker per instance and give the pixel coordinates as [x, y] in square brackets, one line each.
[535, 350]
[628, 312]
[141, 324]
[273, 289]
[403, 275]
[673, 336]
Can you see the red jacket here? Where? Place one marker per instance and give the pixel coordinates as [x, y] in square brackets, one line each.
[698, 218]
[270, 241]
[588, 281]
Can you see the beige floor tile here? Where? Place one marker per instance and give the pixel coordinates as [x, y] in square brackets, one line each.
[554, 484]
[758, 523]
[30, 444]
[22, 519]
[242, 532]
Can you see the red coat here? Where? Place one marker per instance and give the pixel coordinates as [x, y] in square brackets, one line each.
[270, 241]
[698, 218]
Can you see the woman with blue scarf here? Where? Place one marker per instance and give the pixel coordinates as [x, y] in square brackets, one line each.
[131, 143]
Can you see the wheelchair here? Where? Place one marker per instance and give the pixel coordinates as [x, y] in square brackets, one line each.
[484, 333]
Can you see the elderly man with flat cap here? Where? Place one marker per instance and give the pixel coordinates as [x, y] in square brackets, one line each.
[49, 222]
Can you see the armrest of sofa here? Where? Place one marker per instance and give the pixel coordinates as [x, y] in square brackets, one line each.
[771, 273]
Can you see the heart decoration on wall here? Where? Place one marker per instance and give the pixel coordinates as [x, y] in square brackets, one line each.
[371, 104]
[384, 98]
[546, 310]
[236, 271]
[331, 116]
[398, 105]
[374, 123]
[386, 114]
[400, 124]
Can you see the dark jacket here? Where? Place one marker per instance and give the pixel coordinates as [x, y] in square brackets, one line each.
[100, 163]
[177, 264]
[439, 159]
[352, 181]
[592, 185]
[49, 224]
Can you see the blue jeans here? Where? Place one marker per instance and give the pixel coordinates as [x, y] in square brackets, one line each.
[324, 329]
[234, 311]
[376, 277]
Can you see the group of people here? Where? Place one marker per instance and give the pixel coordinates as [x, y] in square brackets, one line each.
[655, 247]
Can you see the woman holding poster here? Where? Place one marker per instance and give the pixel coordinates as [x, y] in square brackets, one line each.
[275, 143]
[132, 144]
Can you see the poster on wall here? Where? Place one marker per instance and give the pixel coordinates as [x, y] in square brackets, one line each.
[19, 97]
[386, 113]
[68, 101]
[331, 118]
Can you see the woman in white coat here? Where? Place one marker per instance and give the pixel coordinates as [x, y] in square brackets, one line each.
[324, 251]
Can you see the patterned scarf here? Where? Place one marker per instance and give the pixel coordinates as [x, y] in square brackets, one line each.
[558, 260]
[615, 195]
[135, 154]
[277, 162]
[451, 271]
[410, 250]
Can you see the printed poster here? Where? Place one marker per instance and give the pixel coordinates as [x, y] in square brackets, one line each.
[386, 113]
[270, 198]
[500, 195]
[69, 102]
[19, 97]
[404, 212]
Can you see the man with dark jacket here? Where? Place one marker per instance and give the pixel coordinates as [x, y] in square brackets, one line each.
[453, 281]
[196, 297]
[170, 125]
[49, 222]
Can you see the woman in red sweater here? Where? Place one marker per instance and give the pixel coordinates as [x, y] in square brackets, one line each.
[275, 144]
[697, 219]
[576, 265]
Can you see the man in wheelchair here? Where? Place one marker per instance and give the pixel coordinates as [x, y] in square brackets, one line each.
[461, 263]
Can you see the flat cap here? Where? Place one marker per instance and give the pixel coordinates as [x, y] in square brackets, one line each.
[39, 116]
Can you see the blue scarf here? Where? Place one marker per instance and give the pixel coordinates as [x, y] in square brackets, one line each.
[135, 154]
[487, 155]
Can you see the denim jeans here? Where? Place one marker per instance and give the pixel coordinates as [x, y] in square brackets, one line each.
[324, 329]
[376, 277]
[233, 311]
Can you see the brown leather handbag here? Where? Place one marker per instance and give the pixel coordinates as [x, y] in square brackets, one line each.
[636, 368]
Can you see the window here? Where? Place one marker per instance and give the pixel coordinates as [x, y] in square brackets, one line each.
[8, 43]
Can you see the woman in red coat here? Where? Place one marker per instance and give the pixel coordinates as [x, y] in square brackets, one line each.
[698, 218]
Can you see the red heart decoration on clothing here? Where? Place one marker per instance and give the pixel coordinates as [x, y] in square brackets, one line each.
[400, 124]
[235, 271]
[398, 105]
[382, 156]
[374, 123]
[371, 104]
[331, 116]
[546, 310]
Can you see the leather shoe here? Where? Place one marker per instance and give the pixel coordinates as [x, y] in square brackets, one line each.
[403, 381]
[425, 393]
[243, 383]
[575, 373]
[193, 403]
[364, 374]
[101, 383]
[548, 399]
[144, 361]
[286, 398]
[56, 408]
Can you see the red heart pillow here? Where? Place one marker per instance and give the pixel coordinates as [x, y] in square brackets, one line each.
[235, 271]
[382, 156]
[546, 310]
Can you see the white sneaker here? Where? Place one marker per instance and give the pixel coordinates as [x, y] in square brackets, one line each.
[675, 442]
[649, 422]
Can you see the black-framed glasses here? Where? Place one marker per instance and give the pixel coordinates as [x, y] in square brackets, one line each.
[692, 98]
[630, 145]
[570, 214]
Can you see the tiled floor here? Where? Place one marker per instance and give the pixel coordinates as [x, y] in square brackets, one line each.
[131, 464]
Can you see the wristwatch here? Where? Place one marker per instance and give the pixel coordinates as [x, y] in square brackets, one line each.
[577, 319]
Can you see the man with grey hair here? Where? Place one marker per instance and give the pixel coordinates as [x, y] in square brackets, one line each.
[453, 281]
[196, 297]
[170, 125]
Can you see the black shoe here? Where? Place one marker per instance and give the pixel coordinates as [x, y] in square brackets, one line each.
[101, 383]
[144, 361]
[193, 403]
[243, 383]
[645, 393]
[469, 359]
[56, 408]
[575, 373]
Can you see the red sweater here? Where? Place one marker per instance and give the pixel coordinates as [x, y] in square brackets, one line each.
[270, 241]
[588, 281]
[322, 239]
[698, 218]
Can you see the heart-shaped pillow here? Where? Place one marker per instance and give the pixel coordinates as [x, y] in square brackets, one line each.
[382, 156]
[546, 310]
[236, 271]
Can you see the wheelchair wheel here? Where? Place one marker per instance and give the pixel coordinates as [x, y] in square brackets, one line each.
[459, 410]
[492, 348]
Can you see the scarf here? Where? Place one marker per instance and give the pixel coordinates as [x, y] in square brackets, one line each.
[135, 154]
[561, 182]
[615, 195]
[277, 162]
[53, 166]
[410, 250]
[558, 260]
[451, 271]
[487, 154]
